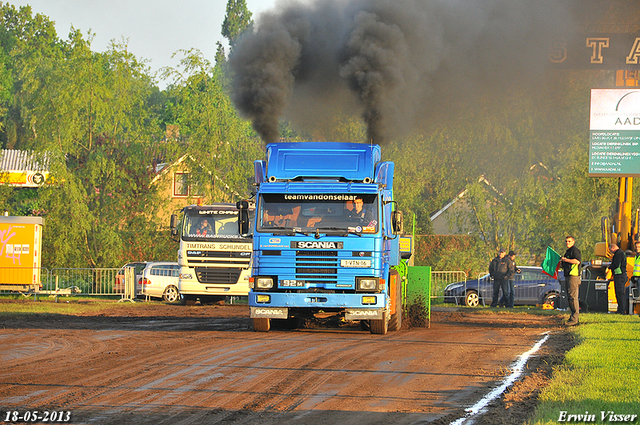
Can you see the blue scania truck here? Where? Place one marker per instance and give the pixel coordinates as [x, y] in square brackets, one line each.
[325, 236]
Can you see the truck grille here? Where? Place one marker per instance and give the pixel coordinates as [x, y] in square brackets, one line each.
[320, 267]
[226, 276]
[213, 258]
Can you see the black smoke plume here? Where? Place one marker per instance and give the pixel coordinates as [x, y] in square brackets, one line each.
[397, 59]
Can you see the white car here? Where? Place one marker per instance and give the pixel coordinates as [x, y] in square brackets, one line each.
[160, 280]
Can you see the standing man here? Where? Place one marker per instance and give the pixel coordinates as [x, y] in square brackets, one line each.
[571, 266]
[618, 267]
[498, 271]
[512, 269]
[635, 279]
[494, 262]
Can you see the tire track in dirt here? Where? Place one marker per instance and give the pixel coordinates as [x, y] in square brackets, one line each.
[285, 386]
[76, 363]
[304, 379]
[149, 378]
[169, 375]
[301, 381]
[275, 378]
[75, 366]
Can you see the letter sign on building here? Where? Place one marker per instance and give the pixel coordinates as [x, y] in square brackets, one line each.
[613, 51]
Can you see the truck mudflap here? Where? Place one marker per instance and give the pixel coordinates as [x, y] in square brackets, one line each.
[269, 312]
[363, 314]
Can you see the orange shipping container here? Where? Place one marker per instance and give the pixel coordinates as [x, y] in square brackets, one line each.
[20, 252]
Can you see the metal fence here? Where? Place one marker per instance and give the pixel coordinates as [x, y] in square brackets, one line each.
[70, 281]
[99, 281]
[111, 281]
[440, 280]
[107, 281]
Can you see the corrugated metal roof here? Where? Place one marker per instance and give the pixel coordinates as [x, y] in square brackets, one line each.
[16, 160]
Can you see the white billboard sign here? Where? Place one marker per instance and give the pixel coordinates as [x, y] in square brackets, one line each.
[614, 128]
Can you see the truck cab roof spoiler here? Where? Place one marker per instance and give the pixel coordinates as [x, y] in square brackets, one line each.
[338, 162]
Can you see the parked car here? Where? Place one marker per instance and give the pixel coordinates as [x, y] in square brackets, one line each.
[118, 285]
[531, 286]
[160, 280]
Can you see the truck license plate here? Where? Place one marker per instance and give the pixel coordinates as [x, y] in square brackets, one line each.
[355, 263]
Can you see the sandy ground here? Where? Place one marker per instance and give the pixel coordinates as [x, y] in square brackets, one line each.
[172, 364]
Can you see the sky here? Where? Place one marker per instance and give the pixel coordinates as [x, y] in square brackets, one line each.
[155, 29]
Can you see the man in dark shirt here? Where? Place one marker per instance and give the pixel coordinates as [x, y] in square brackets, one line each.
[571, 267]
[499, 280]
[360, 214]
[512, 269]
[618, 268]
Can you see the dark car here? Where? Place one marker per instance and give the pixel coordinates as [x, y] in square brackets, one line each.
[118, 285]
[532, 287]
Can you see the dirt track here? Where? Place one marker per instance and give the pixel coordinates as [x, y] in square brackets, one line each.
[172, 364]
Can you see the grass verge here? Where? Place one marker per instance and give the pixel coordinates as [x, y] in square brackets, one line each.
[65, 305]
[600, 375]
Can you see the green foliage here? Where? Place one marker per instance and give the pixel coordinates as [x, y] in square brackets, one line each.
[99, 117]
[220, 55]
[5, 86]
[96, 117]
[421, 183]
[92, 113]
[24, 41]
[455, 253]
[22, 201]
[211, 131]
[236, 21]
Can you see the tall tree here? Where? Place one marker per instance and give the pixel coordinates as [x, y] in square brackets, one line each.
[213, 134]
[89, 112]
[25, 39]
[236, 21]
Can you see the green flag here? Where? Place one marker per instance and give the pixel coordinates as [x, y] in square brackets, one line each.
[551, 263]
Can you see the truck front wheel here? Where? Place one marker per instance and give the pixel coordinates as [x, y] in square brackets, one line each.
[261, 324]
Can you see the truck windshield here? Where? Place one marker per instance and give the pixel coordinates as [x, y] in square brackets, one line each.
[206, 225]
[323, 212]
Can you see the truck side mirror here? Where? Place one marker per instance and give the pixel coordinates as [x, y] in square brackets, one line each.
[243, 218]
[174, 226]
[397, 220]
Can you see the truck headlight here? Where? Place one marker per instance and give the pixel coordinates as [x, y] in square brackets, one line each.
[186, 276]
[367, 284]
[263, 282]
